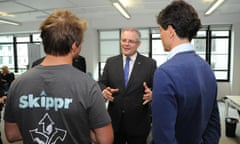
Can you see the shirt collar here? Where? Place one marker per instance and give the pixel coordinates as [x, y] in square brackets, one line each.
[180, 48]
[133, 57]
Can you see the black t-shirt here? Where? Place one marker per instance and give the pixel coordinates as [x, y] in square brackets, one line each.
[79, 62]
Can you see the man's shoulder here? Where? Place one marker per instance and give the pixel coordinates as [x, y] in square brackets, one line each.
[113, 58]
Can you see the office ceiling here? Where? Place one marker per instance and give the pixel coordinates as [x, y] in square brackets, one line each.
[37, 10]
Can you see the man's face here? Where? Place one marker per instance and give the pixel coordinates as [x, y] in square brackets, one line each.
[164, 35]
[129, 43]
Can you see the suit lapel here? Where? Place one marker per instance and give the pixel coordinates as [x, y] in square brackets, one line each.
[119, 69]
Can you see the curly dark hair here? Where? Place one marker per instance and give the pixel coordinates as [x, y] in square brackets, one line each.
[182, 17]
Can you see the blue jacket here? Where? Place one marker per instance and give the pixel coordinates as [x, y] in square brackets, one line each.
[184, 102]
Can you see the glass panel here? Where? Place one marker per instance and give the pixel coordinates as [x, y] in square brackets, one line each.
[221, 27]
[22, 51]
[36, 37]
[221, 75]
[6, 39]
[6, 55]
[219, 62]
[220, 46]
[110, 35]
[157, 47]
[160, 59]
[158, 52]
[220, 33]
[109, 48]
[156, 35]
[201, 34]
[155, 31]
[199, 45]
[219, 57]
[144, 47]
[23, 39]
[144, 33]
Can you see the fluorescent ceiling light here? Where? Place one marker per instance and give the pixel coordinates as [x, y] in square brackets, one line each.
[214, 6]
[121, 9]
[6, 14]
[9, 22]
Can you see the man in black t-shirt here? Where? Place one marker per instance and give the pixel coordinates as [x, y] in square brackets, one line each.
[79, 62]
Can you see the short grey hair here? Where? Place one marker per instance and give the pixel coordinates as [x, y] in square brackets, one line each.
[132, 30]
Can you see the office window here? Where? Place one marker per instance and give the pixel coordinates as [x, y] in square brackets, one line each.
[144, 48]
[14, 50]
[158, 52]
[220, 54]
[22, 52]
[22, 57]
[36, 37]
[212, 43]
[23, 39]
[109, 46]
[199, 43]
[6, 55]
[6, 51]
[6, 39]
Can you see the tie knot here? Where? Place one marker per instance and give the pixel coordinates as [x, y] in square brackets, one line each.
[128, 59]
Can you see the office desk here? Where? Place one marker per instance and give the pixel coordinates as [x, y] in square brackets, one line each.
[232, 100]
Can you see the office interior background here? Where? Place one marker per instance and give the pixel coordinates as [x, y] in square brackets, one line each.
[217, 42]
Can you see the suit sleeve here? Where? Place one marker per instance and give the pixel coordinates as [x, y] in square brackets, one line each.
[103, 81]
[163, 98]
[153, 71]
[212, 133]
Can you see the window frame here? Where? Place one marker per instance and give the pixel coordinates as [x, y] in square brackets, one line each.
[14, 44]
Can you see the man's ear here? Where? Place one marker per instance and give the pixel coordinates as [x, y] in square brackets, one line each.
[171, 31]
[74, 46]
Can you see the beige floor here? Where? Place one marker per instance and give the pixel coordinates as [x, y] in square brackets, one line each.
[223, 139]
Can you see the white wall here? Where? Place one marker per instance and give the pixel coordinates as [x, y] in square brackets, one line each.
[90, 45]
[90, 51]
[235, 67]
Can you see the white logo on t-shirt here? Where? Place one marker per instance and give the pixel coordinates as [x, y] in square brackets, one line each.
[48, 134]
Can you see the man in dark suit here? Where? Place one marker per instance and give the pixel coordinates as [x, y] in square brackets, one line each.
[129, 106]
[78, 62]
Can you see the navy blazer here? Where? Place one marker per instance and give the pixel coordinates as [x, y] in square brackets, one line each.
[184, 106]
[128, 100]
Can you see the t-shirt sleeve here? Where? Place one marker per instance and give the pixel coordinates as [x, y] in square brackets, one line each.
[98, 115]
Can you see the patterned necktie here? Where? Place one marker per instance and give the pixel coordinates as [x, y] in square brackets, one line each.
[126, 70]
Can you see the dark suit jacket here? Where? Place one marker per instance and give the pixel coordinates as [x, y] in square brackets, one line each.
[128, 101]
